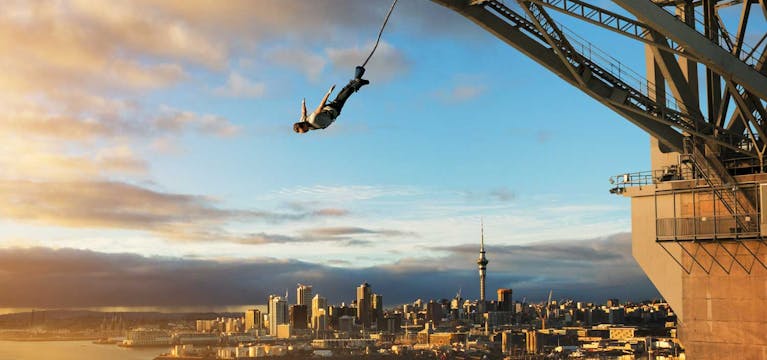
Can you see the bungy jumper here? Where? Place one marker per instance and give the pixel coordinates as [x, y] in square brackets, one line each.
[327, 112]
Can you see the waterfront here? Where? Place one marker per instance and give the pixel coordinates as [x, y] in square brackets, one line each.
[159, 309]
[71, 350]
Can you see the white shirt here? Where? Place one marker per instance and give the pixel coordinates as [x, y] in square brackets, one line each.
[322, 120]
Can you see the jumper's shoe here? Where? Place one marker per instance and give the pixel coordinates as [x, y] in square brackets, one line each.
[358, 72]
[358, 83]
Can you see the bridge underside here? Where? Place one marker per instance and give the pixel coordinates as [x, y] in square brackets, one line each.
[697, 222]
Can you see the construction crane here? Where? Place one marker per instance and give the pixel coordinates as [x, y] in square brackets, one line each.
[548, 305]
[539, 309]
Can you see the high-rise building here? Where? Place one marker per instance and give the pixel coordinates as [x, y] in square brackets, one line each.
[504, 300]
[318, 303]
[304, 297]
[434, 312]
[377, 310]
[278, 313]
[298, 316]
[364, 305]
[320, 320]
[252, 319]
[482, 264]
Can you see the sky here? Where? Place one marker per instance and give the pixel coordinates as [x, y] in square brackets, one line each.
[147, 157]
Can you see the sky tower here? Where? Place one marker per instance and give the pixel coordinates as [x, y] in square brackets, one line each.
[482, 264]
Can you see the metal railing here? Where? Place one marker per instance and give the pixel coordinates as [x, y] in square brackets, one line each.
[643, 178]
[707, 227]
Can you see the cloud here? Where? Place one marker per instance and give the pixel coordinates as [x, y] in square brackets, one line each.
[464, 87]
[176, 121]
[501, 194]
[259, 239]
[102, 205]
[124, 206]
[75, 83]
[590, 263]
[84, 127]
[177, 218]
[192, 233]
[344, 231]
[308, 63]
[312, 22]
[34, 160]
[44, 277]
[332, 212]
[60, 44]
[346, 236]
[543, 136]
[462, 93]
[348, 193]
[597, 250]
[239, 86]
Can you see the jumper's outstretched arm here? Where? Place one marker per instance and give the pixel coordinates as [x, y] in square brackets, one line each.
[303, 109]
[324, 100]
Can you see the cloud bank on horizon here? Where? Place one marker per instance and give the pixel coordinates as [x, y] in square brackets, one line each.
[588, 270]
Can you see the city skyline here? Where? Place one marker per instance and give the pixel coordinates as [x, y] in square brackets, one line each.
[168, 155]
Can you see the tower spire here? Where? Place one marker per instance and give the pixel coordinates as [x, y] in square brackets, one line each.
[482, 262]
[482, 235]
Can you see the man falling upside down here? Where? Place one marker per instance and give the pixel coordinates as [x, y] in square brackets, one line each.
[326, 112]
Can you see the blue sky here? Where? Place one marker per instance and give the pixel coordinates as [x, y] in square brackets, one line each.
[162, 129]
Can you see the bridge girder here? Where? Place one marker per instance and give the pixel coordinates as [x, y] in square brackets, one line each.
[744, 85]
[511, 33]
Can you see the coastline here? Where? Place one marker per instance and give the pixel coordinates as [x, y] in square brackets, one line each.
[71, 338]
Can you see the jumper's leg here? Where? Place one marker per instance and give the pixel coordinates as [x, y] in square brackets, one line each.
[347, 91]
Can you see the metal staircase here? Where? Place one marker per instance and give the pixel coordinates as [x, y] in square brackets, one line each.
[724, 187]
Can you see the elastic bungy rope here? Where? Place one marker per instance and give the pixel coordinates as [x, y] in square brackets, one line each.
[379, 33]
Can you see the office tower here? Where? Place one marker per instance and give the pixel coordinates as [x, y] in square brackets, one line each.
[434, 312]
[297, 315]
[278, 313]
[393, 323]
[304, 297]
[320, 320]
[378, 310]
[364, 305]
[318, 303]
[252, 319]
[504, 300]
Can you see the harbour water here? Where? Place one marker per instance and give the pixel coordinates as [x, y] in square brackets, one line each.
[161, 309]
[72, 350]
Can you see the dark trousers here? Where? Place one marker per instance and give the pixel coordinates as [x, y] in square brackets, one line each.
[340, 99]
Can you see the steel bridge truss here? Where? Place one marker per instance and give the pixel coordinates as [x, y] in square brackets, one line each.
[736, 77]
